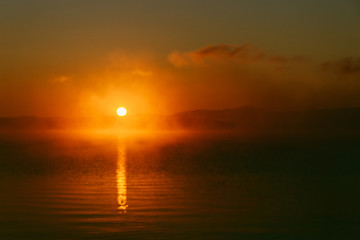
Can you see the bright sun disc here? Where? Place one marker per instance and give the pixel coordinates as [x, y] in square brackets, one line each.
[121, 111]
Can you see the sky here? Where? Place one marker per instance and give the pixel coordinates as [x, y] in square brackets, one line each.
[87, 57]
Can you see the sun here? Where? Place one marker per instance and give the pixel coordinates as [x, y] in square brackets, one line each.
[121, 111]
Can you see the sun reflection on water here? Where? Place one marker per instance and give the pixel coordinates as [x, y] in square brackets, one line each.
[121, 179]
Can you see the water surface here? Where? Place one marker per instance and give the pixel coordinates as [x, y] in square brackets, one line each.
[63, 186]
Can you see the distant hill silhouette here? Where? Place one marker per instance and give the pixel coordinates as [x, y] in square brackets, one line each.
[251, 119]
[241, 119]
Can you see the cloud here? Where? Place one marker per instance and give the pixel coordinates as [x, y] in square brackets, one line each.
[226, 75]
[235, 75]
[216, 77]
[242, 54]
[347, 66]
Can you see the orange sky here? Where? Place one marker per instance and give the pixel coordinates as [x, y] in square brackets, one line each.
[89, 57]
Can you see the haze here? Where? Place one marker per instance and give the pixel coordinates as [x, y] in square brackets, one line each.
[87, 58]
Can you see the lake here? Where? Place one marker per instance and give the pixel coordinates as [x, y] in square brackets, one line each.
[178, 186]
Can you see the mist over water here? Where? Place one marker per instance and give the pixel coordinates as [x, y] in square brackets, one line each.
[64, 186]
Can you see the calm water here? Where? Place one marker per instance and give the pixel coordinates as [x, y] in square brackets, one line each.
[60, 186]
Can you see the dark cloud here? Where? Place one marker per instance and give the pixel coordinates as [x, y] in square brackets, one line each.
[244, 54]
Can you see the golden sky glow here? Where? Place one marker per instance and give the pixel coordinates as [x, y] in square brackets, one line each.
[83, 58]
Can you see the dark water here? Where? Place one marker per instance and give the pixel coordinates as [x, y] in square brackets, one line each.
[60, 186]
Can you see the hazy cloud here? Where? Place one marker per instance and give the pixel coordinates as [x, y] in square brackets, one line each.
[343, 66]
[216, 77]
[245, 75]
[285, 60]
[244, 54]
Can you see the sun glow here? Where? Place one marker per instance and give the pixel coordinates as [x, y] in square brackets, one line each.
[121, 111]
